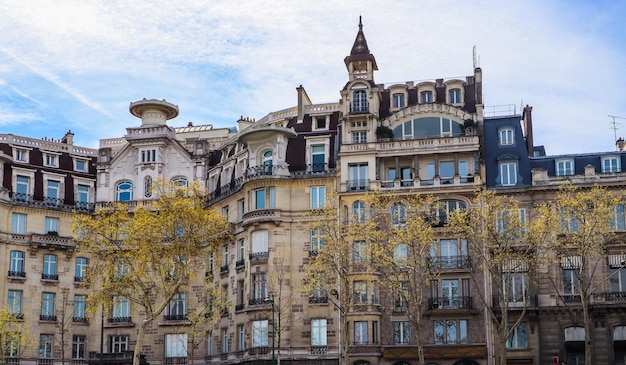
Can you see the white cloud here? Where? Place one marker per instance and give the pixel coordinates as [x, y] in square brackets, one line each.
[221, 59]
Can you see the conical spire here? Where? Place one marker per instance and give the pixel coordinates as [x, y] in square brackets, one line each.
[360, 51]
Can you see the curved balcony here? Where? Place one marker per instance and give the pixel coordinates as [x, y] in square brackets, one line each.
[261, 216]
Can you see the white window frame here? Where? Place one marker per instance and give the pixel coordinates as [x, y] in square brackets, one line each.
[241, 333]
[119, 192]
[360, 332]
[518, 339]
[611, 164]
[259, 286]
[18, 223]
[508, 173]
[401, 332]
[50, 263]
[47, 304]
[176, 345]
[51, 159]
[564, 167]
[319, 332]
[398, 100]
[79, 161]
[426, 96]
[260, 241]
[318, 197]
[14, 301]
[121, 307]
[506, 136]
[80, 306]
[21, 154]
[260, 333]
[455, 96]
[46, 346]
[51, 224]
[459, 335]
[118, 343]
[79, 347]
[17, 262]
[359, 137]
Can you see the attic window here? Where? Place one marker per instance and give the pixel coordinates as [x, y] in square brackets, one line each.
[319, 122]
[398, 101]
[507, 136]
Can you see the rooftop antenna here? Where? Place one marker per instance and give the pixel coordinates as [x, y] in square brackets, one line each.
[615, 124]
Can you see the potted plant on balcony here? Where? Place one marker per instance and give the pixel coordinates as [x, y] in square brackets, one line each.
[469, 126]
[384, 133]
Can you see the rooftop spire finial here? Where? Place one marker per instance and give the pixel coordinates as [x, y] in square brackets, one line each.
[360, 23]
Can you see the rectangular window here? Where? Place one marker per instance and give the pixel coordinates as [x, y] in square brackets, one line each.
[426, 97]
[360, 291]
[225, 259]
[14, 302]
[508, 173]
[121, 309]
[21, 155]
[177, 307]
[515, 288]
[400, 333]
[359, 253]
[16, 266]
[454, 96]
[571, 281]
[80, 308]
[148, 155]
[398, 100]
[80, 164]
[52, 192]
[318, 197]
[564, 167]
[317, 241]
[81, 268]
[241, 209]
[45, 346]
[261, 200]
[47, 307]
[79, 347]
[209, 344]
[318, 332]
[50, 267]
[318, 158]
[51, 225]
[22, 188]
[260, 243]
[259, 287]
[359, 137]
[450, 331]
[446, 172]
[511, 219]
[260, 333]
[449, 254]
[176, 345]
[241, 342]
[507, 137]
[50, 160]
[360, 332]
[224, 340]
[357, 177]
[611, 164]
[617, 221]
[18, 223]
[118, 344]
[82, 196]
[241, 251]
[517, 339]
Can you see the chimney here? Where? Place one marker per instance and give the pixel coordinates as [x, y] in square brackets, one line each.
[619, 144]
[303, 99]
[68, 138]
[528, 128]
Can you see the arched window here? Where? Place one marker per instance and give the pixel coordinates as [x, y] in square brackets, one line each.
[267, 163]
[147, 187]
[359, 101]
[124, 191]
[398, 213]
[358, 211]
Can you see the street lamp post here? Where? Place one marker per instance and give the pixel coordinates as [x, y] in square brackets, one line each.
[271, 301]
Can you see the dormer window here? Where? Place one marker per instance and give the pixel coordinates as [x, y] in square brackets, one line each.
[80, 164]
[319, 122]
[148, 155]
[20, 154]
[611, 164]
[51, 160]
[454, 96]
[398, 101]
[507, 136]
[426, 97]
[564, 167]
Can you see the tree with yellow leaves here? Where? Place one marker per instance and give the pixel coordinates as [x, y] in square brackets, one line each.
[14, 335]
[583, 224]
[402, 241]
[506, 245]
[146, 256]
[338, 258]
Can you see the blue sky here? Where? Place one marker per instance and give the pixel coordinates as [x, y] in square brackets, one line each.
[78, 64]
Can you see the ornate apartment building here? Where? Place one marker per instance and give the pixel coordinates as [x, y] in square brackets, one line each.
[265, 177]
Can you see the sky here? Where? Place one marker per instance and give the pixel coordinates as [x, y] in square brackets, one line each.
[78, 64]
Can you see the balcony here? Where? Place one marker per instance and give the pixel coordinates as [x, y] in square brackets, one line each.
[80, 319]
[261, 350]
[359, 108]
[17, 274]
[50, 277]
[174, 317]
[314, 170]
[48, 317]
[120, 320]
[224, 269]
[449, 262]
[116, 358]
[515, 302]
[261, 215]
[240, 264]
[615, 296]
[410, 147]
[239, 307]
[175, 361]
[319, 350]
[51, 203]
[318, 300]
[357, 185]
[448, 303]
[263, 170]
[258, 256]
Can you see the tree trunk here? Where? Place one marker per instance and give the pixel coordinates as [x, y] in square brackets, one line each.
[140, 336]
